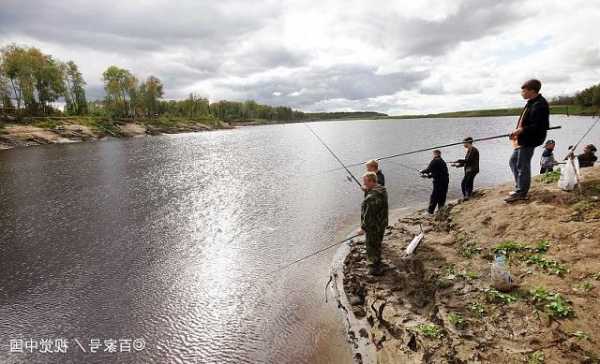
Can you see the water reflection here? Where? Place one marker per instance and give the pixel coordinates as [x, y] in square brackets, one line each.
[172, 238]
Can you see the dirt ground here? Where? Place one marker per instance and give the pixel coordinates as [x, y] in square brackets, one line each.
[439, 306]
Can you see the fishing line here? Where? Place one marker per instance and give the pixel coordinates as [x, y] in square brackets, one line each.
[436, 147]
[586, 133]
[313, 254]
[333, 154]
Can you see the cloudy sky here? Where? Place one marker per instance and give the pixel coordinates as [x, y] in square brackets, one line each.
[397, 57]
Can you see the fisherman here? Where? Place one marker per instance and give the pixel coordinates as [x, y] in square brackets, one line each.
[374, 220]
[373, 166]
[530, 132]
[547, 162]
[438, 170]
[471, 165]
[588, 157]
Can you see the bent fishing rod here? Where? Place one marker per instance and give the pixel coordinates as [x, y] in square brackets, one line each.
[315, 253]
[334, 156]
[433, 148]
[573, 147]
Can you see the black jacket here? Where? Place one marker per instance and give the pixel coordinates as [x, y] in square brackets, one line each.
[380, 178]
[437, 169]
[586, 160]
[535, 124]
[471, 161]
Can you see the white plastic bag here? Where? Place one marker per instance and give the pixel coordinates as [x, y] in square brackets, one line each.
[569, 175]
[501, 278]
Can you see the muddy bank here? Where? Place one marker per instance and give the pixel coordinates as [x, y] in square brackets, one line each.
[438, 305]
[67, 131]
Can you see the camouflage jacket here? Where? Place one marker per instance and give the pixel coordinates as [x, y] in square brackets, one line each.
[374, 210]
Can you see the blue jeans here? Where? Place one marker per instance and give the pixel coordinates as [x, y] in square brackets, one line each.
[520, 165]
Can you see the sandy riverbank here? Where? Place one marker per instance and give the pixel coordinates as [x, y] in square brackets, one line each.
[438, 305]
[71, 131]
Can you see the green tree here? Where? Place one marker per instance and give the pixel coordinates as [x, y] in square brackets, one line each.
[119, 85]
[76, 103]
[151, 91]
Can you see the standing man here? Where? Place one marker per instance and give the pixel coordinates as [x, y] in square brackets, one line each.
[530, 132]
[471, 164]
[374, 220]
[438, 170]
[373, 166]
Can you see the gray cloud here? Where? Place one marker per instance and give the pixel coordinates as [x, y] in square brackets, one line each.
[307, 87]
[243, 50]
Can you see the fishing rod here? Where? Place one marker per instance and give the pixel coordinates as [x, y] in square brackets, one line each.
[315, 253]
[334, 156]
[437, 147]
[586, 133]
[573, 147]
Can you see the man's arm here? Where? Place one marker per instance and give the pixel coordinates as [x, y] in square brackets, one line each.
[428, 169]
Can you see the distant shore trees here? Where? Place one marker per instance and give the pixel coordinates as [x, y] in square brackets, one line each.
[30, 81]
[33, 83]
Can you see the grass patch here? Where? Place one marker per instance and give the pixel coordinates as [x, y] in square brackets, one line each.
[536, 358]
[494, 296]
[468, 249]
[430, 331]
[550, 266]
[456, 320]
[586, 287]
[580, 335]
[553, 303]
[477, 308]
[509, 247]
[550, 177]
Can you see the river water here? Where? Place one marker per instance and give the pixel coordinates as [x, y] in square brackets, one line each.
[168, 242]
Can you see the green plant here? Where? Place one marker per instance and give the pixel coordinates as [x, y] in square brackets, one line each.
[554, 303]
[536, 358]
[585, 287]
[550, 266]
[543, 246]
[509, 247]
[477, 308]
[495, 296]
[559, 307]
[550, 177]
[430, 330]
[470, 275]
[469, 249]
[456, 320]
[580, 335]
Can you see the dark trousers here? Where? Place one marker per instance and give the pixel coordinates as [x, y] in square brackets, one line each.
[520, 165]
[546, 170]
[467, 183]
[373, 243]
[438, 196]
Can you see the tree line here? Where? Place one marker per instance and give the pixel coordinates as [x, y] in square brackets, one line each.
[589, 97]
[33, 83]
[30, 81]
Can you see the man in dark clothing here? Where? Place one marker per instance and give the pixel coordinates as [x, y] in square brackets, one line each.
[587, 158]
[471, 165]
[373, 166]
[438, 170]
[530, 132]
[374, 220]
